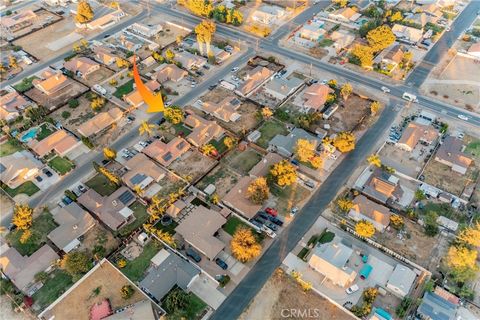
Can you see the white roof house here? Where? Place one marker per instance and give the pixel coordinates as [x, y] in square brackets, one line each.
[401, 280]
[268, 14]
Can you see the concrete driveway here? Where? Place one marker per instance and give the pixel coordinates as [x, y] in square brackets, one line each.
[206, 289]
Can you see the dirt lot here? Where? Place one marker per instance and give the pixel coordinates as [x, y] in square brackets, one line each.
[416, 246]
[43, 17]
[192, 164]
[282, 293]
[242, 161]
[105, 138]
[461, 94]
[222, 177]
[59, 98]
[349, 115]
[98, 235]
[441, 176]
[97, 76]
[77, 304]
[461, 68]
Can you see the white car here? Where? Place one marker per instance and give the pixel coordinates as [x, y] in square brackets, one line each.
[268, 231]
[385, 89]
[235, 69]
[463, 117]
[352, 289]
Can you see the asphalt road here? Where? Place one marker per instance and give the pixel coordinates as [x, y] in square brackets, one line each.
[239, 299]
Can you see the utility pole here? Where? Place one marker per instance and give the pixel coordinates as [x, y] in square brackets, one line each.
[311, 66]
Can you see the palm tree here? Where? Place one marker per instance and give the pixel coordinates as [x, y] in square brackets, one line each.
[146, 128]
[205, 31]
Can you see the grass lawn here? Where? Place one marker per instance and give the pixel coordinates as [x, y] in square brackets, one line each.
[124, 89]
[232, 224]
[101, 184]
[194, 307]
[243, 161]
[473, 148]
[269, 130]
[58, 282]
[45, 131]
[219, 145]
[326, 43]
[170, 228]
[141, 216]
[61, 165]
[25, 84]
[288, 197]
[135, 269]
[29, 188]
[10, 146]
[181, 130]
[444, 209]
[41, 227]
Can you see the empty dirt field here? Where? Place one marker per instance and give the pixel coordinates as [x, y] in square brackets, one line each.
[78, 302]
[97, 76]
[222, 177]
[43, 17]
[192, 164]
[465, 95]
[242, 161]
[281, 295]
[350, 114]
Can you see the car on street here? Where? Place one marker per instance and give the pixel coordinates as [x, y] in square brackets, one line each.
[385, 89]
[271, 212]
[235, 69]
[352, 289]
[463, 117]
[193, 254]
[222, 264]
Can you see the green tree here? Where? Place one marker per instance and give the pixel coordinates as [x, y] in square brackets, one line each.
[430, 223]
[176, 300]
[77, 262]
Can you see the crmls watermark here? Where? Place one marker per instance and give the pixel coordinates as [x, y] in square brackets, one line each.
[311, 313]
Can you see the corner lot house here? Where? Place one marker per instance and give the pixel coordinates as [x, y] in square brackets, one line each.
[407, 34]
[21, 270]
[225, 110]
[417, 133]
[434, 307]
[364, 209]
[59, 142]
[285, 145]
[401, 280]
[314, 97]
[268, 14]
[100, 122]
[81, 66]
[451, 154]
[203, 238]
[73, 222]
[51, 83]
[237, 199]
[330, 259]
[19, 167]
[281, 88]
[254, 79]
[394, 56]
[167, 270]
[203, 131]
[12, 105]
[112, 210]
[170, 72]
[166, 153]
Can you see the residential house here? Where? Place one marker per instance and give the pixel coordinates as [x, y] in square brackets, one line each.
[203, 238]
[268, 14]
[238, 200]
[342, 39]
[281, 88]
[12, 105]
[451, 153]
[100, 122]
[135, 99]
[262, 168]
[417, 133]
[331, 260]
[53, 83]
[112, 210]
[73, 222]
[18, 168]
[365, 209]
[166, 271]
[81, 66]
[360, 4]
[102, 22]
[407, 34]
[166, 153]
[383, 187]
[145, 30]
[170, 72]
[310, 34]
[401, 280]
[189, 60]
[285, 145]
[175, 208]
[225, 110]
[128, 42]
[142, 310]
[254, 79]
[203, 131]
[219, 54]
[314, 97]
[104, 55]
[474, 50]
[346, 15]
[18, 21]
[21, 270]
[393, 57]
[142, 172]
[434, 307]
[421, 19]
[59, 142]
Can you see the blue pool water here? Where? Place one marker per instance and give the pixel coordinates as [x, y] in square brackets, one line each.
[29, 135]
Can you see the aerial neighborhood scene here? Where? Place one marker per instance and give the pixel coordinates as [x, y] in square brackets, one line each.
[240, 159]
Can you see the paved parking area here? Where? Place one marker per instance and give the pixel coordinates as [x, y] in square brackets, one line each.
[206, 289]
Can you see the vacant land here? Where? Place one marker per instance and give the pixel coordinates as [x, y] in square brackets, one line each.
[281, 292]
[222, 177]
[350, 114]
[105, 280]
[289, 197]
[242, 161]
[97, 77]
[269, 130]
[473, 147]
[192, 165]
[101, 184]
[59, 98]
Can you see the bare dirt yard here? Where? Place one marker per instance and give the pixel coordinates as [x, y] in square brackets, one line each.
[456, 92]
[99, 236]
[242, 161]
[192, 164]
[281, 292]
[78, 302]
[105, 138]
[43, 17]
[350, 115]
[97, 77]
[59, 98]
[222, 177]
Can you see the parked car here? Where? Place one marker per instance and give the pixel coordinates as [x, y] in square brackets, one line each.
[47, 172]
[269, 232]
[310, 184]
[272, 226]
[12, 227]
[38, 178]
[463, 117]
[235, 69]
[275, 220]
[263, 215]
[66, 200]
[213, 86]
[222, 264]
[352, 289]
[271, 212]
[82, 188]
[260, 220]
[206, 67]
[194, 255]
[257, 224]
[295, 162]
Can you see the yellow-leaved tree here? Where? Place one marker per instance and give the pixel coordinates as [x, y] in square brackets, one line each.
[22, 216]
[244, 245]
[374, 107]
[344, 204]
[84, 12]
[374, 159]
[146, 128]
[205, 31]
[364, 55]
[109, 153]
[266, 112]
[380, 38]
[173, 114]
[346, 91]
[471, 235]
[365, 229]
[396, 221]
[258, 190]
[344, 141]
[304, 150]
[461, 262]
[284, 173]
[229, 142]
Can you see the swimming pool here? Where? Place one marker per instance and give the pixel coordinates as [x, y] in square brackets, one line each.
[29, 135]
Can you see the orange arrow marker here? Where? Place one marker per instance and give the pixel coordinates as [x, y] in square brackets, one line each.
[154, 102]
